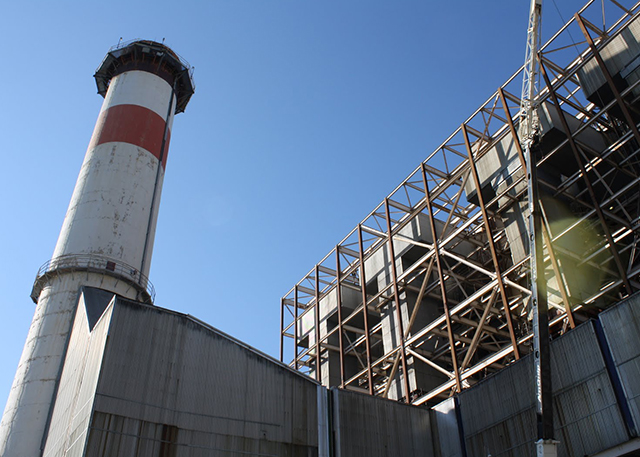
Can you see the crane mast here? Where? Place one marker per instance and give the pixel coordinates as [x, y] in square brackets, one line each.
[545, 445]
[528, 117]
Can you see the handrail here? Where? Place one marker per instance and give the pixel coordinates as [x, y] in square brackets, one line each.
[95, 264]
[182, 60]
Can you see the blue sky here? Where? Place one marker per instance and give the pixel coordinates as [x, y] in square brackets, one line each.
[307, 113]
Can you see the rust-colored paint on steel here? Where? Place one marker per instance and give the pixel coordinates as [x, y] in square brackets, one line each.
[392, 374]
[564, 293]
[282, 330]
[512, 129]
[443, 288]
[492, 248]
[396, 297]
[295, 327]
[365, 310]
[423, 289]
[339, 304]
[475, 341]
[576, 154]
[317, 324]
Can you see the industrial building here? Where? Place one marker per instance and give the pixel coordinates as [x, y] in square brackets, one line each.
[411, 338]
[427, 301]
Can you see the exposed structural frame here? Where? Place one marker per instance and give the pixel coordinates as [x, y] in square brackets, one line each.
[457, 291]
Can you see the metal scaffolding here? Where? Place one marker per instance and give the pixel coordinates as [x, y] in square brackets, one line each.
[430, 292]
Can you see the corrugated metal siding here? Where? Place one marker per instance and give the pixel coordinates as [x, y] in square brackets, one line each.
[324, 442]
[497, 414]
[162, 368]
[587, 417]
[621, 326]
[74, 402]
[499, 417]
[116, 435]
[366, 426]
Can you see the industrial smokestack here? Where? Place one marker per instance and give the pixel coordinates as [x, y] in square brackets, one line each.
[107, 236]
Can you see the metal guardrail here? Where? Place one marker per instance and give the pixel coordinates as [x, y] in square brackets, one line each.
[123, 44]
[94, 264]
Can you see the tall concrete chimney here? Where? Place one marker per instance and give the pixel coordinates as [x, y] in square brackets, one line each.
[107, 236]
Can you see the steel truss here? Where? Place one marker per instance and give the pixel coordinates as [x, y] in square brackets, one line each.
[453, 305]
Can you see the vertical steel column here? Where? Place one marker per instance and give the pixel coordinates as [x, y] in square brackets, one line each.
[295, 327]
[574, 148]
[339, 300]
[396, 297]
[443, 289]
[492, 248]
[282, 329]
[365, 311]
[317, 325]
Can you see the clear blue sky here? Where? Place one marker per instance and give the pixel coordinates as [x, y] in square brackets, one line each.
[307, 113]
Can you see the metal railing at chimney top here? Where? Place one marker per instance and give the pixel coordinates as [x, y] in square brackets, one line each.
[93, 263]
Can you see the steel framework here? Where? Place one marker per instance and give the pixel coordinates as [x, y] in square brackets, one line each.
[434, 283]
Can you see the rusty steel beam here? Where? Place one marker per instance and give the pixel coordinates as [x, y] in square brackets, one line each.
[392, 374]
[512, 129]
[479, 330]
[365, 310]
[443, 288]
[339, 303]
[282, 330]
[317, 324]
[295, 327]
[556, 271]
[492, 248]
[592, 195]
[396, 297]
[432, 364]
[423, 289]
